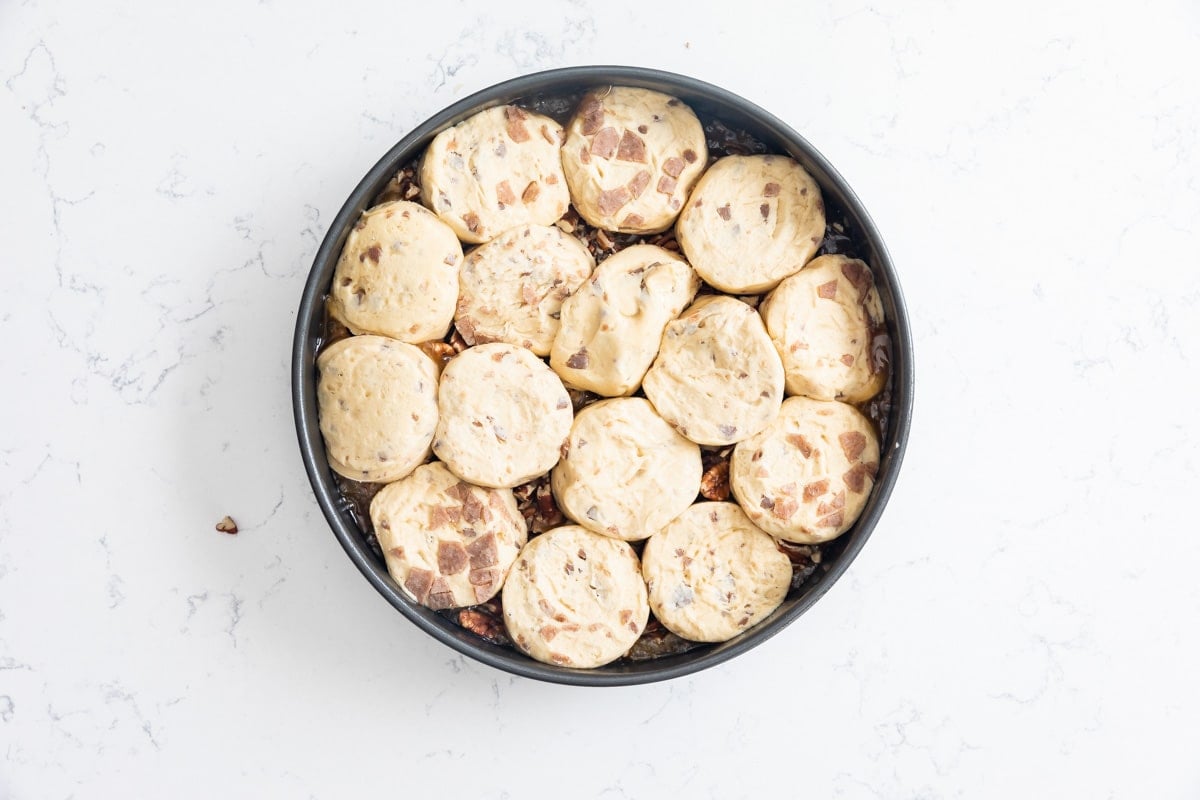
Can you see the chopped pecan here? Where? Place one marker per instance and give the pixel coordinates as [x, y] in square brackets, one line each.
[591, 110]
[802, 444]
[482, 624]
[638, 183]
[604, 144]
[611, 200]
[227, 525]
[440, 352]
[631, 148]
[451, 557]
[853, 443]
[714, 484]
[504, 194]
[515, 124]
[579, 360]
[483, 552]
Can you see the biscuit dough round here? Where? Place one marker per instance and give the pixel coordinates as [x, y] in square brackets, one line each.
[610, 328]
[512, 288]
[496, 170]
[631, 157]
[377, 404]
[717, 378]
[826, 322]
[807, 477]
[446, 542]
[751, 221]
[712, 574]
[502, 416]
[625, 472]
[575, 598]
[398, 274]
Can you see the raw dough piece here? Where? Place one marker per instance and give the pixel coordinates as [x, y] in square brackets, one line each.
[503, 416]
[575, 598]
[493, 171]
[611, 327]
[717, 378]
[711, 574]
[631, 158]
[751, 221]
[398, 274]
[807, 477]
[446, 542]
[377, 401]
[625, 472]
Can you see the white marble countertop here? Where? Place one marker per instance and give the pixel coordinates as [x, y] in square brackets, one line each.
[1023, 622]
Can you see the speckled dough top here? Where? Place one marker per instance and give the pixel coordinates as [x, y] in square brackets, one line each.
[823, 321]
[575, 598]
[448, 543]
[631, 158]
[711, 574]
[806, 478]
[494, 171]
[503, 416]
[398, 274]
[625, 472]
[377, 400]
[610, 328]
[717, 377]
[512, 288]
[751, 221]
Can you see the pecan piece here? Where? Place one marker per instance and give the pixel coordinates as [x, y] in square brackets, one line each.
[611, 200]
[631, 148]
[592, 113]
[638, 183]
[714, 484]
[514, 124]
[481, 624]
[605, 143]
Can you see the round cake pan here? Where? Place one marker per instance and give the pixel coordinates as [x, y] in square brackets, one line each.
[709, 102]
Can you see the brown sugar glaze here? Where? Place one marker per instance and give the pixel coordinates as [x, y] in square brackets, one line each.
[534, 498]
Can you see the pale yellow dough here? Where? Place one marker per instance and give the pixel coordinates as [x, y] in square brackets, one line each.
[398, 274]
[807, 477]
[503, 416]
[493, 171]
[446, 542]
[377, 402]
[575, 598]
[512, 288]
[631, 157]
[712, 574]
[750, 222]
[823, 321]
[610, 328]
[717, 378]
[625, 472]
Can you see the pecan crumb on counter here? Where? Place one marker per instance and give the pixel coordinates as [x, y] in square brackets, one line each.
[227, 525]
